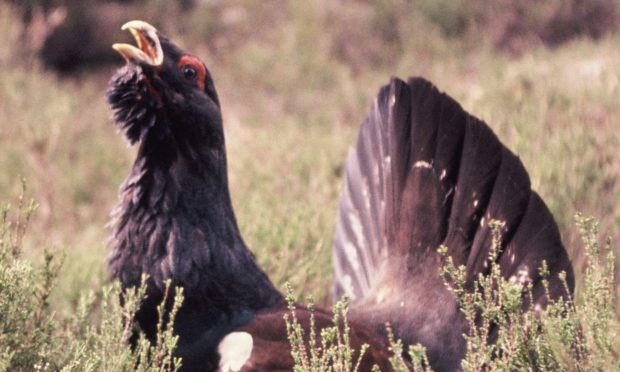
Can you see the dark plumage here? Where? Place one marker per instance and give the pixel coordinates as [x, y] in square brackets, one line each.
[424, 173]
[175, 219]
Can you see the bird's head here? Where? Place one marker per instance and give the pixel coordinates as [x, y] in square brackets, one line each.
[163, 92]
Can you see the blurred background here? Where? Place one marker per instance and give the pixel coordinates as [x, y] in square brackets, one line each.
[295, 80]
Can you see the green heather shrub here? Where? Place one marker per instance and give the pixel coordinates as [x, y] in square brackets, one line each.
[104, 345]
[95, 337]
[26, 326]
[493, 302]
[333, 351]
[567, 336]
[418, 360]
[584, 334]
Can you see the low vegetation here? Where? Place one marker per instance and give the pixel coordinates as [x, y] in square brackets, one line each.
[95, 337]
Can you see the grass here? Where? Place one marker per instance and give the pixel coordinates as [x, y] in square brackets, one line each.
[296, 80]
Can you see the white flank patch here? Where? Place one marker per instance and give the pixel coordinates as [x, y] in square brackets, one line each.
[235, 349]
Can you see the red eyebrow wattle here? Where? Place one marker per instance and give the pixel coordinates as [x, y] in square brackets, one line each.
[200, 67]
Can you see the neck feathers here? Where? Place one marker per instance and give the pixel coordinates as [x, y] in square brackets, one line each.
[175, 221]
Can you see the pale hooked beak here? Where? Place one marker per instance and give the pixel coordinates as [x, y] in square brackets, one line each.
[149, 47]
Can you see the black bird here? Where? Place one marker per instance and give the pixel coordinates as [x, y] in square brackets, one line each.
[424, 173]
[175, 218]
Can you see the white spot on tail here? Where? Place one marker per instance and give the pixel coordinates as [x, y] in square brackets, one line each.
[356, 226]
[366, 196]
[443, 174]
[347, 286]
[450, 191]
[349, 250]
[422, 164]
[235, 349]
[475, 203]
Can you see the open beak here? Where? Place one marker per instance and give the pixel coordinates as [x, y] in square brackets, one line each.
[149, 47]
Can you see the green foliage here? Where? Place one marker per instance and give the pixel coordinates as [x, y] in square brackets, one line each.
[564, 336]
[418, 361]
[333, 351]
[94, 338]
[586, 335]
[105, 345]
[26, 326]
[493, 306]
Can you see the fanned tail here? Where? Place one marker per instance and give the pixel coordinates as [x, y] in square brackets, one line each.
[425, 173]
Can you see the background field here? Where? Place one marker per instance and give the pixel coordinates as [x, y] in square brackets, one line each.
[295, 80]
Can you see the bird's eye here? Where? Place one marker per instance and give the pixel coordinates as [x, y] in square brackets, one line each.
[192, 70]
[189, 72]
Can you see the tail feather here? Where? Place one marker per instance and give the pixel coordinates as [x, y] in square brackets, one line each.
[426, 173]
[361, 238]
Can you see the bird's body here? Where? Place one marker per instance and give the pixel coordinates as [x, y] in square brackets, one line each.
[175, 219]
[424, 173]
